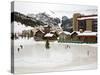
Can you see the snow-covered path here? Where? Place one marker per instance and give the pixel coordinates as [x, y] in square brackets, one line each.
[61, 56]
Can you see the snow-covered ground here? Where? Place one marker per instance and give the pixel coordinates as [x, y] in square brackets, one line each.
[34, 57]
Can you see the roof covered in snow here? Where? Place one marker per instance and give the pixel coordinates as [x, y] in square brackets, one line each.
[84, 18]
[65, 32]
[87, 34]
[76, 32]
[39, 30]
[48, 35]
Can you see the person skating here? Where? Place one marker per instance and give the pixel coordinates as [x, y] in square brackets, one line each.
[21, 46]
[18, 49]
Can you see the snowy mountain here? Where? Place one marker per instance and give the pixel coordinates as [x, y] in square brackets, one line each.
[66, 24]
[35, 19]
[42, 19]
[24, 19]
[46, 19]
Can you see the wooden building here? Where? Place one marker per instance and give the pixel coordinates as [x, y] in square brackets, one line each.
[39, 35]
[64, 36]
[47, 29]
[74, 37]
[84, 22]
[88, 37]
[50, 36]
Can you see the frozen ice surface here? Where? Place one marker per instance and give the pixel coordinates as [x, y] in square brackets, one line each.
[34, 57]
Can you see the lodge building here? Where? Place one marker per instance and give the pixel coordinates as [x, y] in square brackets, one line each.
[84, 22]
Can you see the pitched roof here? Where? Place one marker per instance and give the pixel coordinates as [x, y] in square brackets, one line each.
[65, 32]
[85, 18]
[48, 35]
[87, 33]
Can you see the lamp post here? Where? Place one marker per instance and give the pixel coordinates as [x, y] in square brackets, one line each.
[47, 44]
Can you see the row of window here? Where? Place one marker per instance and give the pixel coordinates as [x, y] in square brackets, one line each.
[82, 25]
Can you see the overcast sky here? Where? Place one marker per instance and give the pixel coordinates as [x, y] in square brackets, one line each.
[55, 10]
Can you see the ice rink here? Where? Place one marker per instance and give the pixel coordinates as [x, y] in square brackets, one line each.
[34, 57]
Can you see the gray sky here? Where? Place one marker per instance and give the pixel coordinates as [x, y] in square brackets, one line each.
[55, 10]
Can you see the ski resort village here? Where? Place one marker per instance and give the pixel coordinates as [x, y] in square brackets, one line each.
[82, 29]
[45, 42]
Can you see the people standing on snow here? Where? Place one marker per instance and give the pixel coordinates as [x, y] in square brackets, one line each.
[18, 49]
[67, 46]
[47, 44]
[88, 52]
[21, 46]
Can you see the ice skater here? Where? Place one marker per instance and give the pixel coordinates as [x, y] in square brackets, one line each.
[67, 46]
[21, 46]
[18, 49]
[88, 53]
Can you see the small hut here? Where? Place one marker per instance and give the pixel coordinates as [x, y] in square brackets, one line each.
[47, 29]
[39, 35]
[74, 37]
[64, 36]
[50, 36]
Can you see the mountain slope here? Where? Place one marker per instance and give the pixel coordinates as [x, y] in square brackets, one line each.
[45, 18]
[28, 21]
[34, 20]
